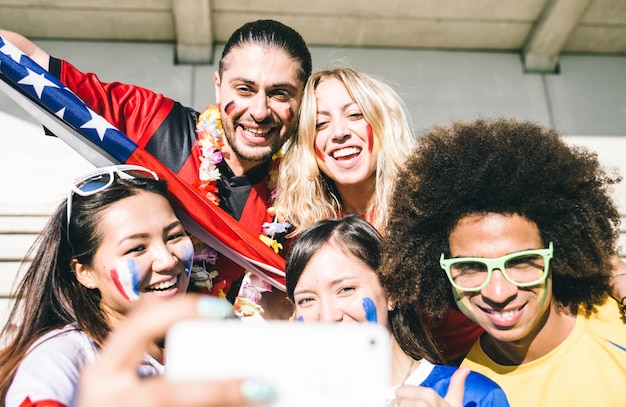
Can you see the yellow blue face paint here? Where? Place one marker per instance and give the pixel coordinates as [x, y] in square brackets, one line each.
[463, 303]
[545, 296]
[465, 306]
[370, 310]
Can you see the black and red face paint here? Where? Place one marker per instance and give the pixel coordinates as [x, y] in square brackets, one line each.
[230, 106]
[289, 113]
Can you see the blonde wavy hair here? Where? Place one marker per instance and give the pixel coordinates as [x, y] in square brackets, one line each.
[305, 195]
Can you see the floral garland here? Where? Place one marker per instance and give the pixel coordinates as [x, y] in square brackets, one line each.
[209, 132]
[210, 142]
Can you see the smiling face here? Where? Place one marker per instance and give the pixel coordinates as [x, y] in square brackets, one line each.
[259, 94]
[506, 312]
[144, 251]
[345, 147]
[335, 286]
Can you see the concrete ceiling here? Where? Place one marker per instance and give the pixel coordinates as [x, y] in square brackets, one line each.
[539, 29]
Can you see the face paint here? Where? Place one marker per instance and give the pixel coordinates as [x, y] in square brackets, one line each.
[126, 279]
[289, 114]
[188, 256]
[370, 310]
[373, 144]
[463, 303]
[230, 106]
[545, 295]
[319, 154]
[300, 319]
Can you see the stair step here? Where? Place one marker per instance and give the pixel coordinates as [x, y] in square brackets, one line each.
[8, 276]
[14, 247]
[22, 224]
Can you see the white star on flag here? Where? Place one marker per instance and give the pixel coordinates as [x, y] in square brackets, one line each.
[61, 112]
[12, 51]
[97, 122]
[39, 82]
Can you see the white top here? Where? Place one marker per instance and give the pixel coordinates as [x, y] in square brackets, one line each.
[51, 368]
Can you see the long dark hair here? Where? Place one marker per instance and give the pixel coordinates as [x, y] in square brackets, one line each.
[356, 236]
[49, 296]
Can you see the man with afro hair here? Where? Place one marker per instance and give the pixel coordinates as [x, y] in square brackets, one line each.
[517, 229]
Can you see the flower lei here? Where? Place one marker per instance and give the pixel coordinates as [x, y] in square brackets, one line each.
[210, 142]
[209, 132]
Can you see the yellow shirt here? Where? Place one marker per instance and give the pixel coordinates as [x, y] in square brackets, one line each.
[587, 369]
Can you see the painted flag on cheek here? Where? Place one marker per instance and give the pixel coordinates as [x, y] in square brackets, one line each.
[127, 279]
[63, 113]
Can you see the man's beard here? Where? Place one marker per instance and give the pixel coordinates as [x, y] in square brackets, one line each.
[266, 155]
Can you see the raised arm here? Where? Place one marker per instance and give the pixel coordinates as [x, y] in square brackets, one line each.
[28, 47]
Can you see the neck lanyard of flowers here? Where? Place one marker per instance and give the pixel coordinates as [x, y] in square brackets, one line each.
[210, 142]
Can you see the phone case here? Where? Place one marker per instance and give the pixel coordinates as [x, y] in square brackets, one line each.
[309, 364]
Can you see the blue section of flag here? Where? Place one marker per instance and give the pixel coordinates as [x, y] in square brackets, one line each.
[42, 88]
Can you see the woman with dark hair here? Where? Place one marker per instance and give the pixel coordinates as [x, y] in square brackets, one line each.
[114, 240]
[332, 277]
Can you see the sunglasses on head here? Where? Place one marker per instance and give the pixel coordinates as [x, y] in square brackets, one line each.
[102, 178]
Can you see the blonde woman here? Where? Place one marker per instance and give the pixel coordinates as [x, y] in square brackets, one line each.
[353, 136]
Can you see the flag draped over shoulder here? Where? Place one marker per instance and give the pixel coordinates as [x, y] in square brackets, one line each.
[61, 111]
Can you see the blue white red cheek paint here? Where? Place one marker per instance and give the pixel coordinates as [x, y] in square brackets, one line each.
[230, 106]
[126, 278]
[370, 310]
[300, 318]
[188, 256]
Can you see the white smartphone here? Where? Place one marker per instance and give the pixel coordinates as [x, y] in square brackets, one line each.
[309, 364]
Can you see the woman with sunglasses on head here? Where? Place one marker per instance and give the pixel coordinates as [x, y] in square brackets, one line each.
[114, 240]
[332, 277]
[353, 138]
[517, 228]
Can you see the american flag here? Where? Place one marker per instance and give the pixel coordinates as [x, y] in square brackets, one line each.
[63, 113]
